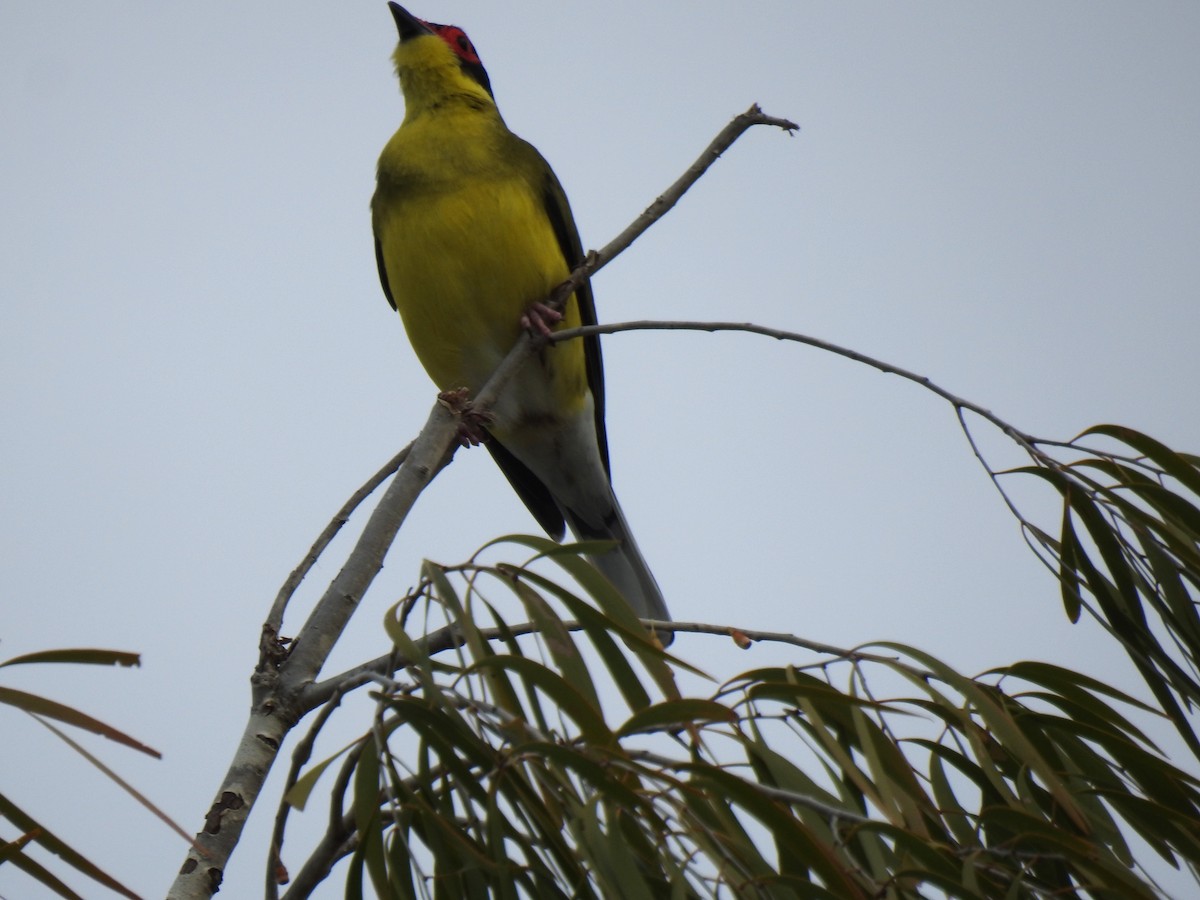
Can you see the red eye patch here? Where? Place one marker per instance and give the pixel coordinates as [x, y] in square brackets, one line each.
[457, 39]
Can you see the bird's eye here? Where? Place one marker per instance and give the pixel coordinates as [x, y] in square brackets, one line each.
[465, 45]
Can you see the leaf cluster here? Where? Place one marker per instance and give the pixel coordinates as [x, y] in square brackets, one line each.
[1128, 552]
[581, 764]
[30, 831]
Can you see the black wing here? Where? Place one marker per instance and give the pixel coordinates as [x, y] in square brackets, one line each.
[558, 210]
[533, 493]
[383, 281]
[385, 189]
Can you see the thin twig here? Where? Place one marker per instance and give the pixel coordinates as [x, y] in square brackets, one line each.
[300, 757]
[275, 616]
[340, 834]
[449, 637]
[1026, 441]
[656, 210]
[114, 778]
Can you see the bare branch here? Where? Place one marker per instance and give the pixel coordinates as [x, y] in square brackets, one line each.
[300, 758]
[448, 637]
[656, 210]
[1026, 441]
[275, 617]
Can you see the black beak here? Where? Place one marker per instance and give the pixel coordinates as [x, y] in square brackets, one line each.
[407, 24]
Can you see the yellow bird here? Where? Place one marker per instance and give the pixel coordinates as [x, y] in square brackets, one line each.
[472, 232]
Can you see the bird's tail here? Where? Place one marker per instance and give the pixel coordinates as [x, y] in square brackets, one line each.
[624, 565]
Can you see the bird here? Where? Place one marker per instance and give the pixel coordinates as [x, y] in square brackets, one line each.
[472, 233]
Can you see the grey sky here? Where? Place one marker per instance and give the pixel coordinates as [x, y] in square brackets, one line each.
[198, 365]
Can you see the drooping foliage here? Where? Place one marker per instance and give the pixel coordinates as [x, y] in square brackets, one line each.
[588, 761]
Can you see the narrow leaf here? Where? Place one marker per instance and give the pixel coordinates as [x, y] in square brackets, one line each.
[51, 709]
[85, 656]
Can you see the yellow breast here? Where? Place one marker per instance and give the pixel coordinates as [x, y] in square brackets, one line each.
[467, 247]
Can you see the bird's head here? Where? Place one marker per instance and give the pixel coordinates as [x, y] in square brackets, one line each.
[435, 61]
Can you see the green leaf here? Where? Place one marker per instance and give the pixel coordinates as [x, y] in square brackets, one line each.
[893, 773]
[616, 869]
[1067, 682]
[600, 628]
[1007, 731]
[1070, 552]
[297, 796]
[47, 839]
[558, 641]
[40, 706]
[672, 715]
[400, 871]
[86, 656]
[612, 604]
[776, 770]
[1179, 467]
[44, 876]
[785, 829]
[442, 728]
[367, 817]
[715, 827]
[954, 816]
[1108, 542]
[604, 772]
[567, 698]
[1181, 612]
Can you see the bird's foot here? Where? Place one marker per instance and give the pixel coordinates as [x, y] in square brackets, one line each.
[472, 423]
[540, 319]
